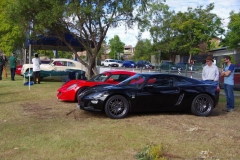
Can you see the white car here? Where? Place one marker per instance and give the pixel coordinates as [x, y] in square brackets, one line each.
[119, 62]
[57, 67]
[109, 63]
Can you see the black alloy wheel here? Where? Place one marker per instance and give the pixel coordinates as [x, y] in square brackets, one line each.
[116, 107]
[202, 105]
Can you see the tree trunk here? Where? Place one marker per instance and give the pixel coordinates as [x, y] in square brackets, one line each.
[190, 57]
[92, 69]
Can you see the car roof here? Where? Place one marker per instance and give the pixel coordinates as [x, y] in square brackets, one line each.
[119, 72]
[64, 59]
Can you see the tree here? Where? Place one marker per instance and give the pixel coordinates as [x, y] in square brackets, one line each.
[182, 32]
[116, 47]
[11, 35]
[232, 39]
[143, 50]
[88, 21]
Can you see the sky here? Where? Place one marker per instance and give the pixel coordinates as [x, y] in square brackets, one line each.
[221, 7]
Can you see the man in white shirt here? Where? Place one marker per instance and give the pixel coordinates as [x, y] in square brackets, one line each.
[36, 68]
[210, 73]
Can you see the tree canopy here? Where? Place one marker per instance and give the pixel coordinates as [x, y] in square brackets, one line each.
[143, 50]
[116, 47]
[182, 32]
[87, 20]
[232, 39]
[11, 34]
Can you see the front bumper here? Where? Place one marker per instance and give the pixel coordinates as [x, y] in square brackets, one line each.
[90, 105]
[66, 96]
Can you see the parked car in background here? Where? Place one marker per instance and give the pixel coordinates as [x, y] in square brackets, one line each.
[18, 69]
[144, 64]
[146, 92]
[119, 62]
[168, 65]
[129, 64]
[109, 63]
[236, 78]
[70, 90]
[185, 65]
[57, 68]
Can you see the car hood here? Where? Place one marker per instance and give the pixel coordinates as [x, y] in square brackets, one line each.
[97, 88]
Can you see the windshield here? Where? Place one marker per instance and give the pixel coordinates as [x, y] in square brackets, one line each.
[111, 60]
[135, 81]
[99, 78]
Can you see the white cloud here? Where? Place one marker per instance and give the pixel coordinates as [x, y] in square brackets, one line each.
[222, 9]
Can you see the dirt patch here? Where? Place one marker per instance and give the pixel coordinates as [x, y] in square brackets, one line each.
[43, 110]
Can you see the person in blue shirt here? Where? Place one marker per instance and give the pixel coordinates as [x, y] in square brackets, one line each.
[228, 74]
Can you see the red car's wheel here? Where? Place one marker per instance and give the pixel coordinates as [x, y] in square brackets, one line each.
[79, 92]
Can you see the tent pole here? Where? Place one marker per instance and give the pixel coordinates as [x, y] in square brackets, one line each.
[29, 58]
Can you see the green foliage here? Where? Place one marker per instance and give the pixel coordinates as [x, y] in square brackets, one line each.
[182, 32]
[50, 54]
[151, 152]
[143, 50]
[88, 20]
[11, 35]
[232, 60]
[116, 47]
[232, 39]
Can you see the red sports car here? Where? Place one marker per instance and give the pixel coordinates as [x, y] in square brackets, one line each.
[70, 90]
[18, 69]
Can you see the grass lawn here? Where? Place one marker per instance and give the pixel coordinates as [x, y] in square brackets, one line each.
[34, 124]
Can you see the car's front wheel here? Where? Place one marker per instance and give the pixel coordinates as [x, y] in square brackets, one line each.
[79, 92]
[202, 105]
[116, 107]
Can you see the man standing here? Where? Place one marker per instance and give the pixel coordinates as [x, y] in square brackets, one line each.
[13, 63]
[1, 65]
[36, 68]
[228, 74]
[5, 60]
[210, 73]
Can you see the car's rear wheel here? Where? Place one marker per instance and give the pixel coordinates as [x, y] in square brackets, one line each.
[79, 92]
[202, 105]
[116, 107]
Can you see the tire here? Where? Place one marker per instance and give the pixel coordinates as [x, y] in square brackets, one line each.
[202, 105]
[116, 107]
[79, 91]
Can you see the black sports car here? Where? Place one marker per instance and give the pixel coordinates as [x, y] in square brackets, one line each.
[151, 92]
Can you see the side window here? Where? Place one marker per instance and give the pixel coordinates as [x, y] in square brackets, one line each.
[122, 77]
[181, 82]
[71, 64]
[58, 63]
[115, 77]
[237, 69]
[161, 81]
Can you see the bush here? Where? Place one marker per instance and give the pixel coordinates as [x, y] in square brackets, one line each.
[151, 152]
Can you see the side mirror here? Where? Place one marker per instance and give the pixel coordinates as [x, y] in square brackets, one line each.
[110, 80]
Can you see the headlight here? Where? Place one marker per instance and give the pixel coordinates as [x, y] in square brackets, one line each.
[72, 86]
[97, 95]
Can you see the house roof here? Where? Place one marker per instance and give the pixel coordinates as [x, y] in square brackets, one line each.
[218, 49]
